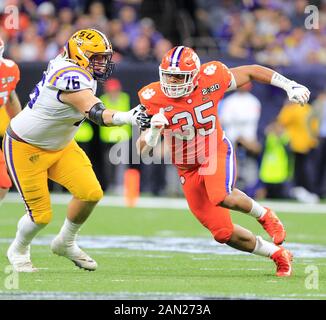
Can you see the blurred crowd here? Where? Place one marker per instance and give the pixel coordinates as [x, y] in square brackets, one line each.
[287, 161]
[45, 26]
[273, 32]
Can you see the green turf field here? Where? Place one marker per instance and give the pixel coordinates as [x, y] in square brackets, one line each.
[164, 254]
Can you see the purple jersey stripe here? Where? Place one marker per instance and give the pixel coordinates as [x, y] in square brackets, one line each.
[83, 74]
[228, 168]
[234, 170]
[13, 174]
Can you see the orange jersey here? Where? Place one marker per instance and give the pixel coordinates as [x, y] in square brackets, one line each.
[193, 119]
[9, 77]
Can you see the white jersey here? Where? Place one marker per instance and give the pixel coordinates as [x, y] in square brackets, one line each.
[47, 122]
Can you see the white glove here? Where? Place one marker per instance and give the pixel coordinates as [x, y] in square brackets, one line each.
[158, 123]
[130, 117]
[297, 93]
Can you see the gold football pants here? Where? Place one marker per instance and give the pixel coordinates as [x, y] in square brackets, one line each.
[30, 168]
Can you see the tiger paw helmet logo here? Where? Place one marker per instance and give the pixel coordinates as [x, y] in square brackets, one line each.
[148, 93]
[210, 69]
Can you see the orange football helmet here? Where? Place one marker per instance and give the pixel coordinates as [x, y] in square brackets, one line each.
[183, 64]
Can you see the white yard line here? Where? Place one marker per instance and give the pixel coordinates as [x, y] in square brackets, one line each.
[61, 295]
[190, 245]
[173, 203]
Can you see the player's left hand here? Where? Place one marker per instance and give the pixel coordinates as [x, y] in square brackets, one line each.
[159, 121]
[139, 117]
[297, 93]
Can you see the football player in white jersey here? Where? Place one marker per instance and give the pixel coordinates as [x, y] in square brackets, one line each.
[39, 145]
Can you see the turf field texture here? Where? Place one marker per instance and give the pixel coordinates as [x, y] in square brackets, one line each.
[164, 253]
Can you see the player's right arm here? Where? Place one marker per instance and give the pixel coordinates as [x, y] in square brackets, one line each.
[93, 108]
[152, 121]
[150, 137]
[13, 106]
[75, 88]
[241, 75]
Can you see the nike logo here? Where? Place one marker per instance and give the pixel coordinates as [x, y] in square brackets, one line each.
[296, 87]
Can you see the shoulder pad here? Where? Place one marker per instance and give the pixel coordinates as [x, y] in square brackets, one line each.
[217, 71]
[12, 72]
[151, 97]
[9, 63]
[71, 78]
[147, 93]
[210, 68]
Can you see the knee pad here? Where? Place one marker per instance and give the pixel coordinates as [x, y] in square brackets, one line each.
[94, 195]
[223, 235]
[42, 218]
[217, 197]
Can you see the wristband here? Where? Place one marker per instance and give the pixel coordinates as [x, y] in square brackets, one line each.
[119, 118]
[280, 81]
[152, 136]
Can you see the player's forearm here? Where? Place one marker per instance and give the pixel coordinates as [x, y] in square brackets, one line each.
[102, 116]
[254, 72]
[297, 93]
[13, 106]
[142, 145]
[107, 117]
[269, 76]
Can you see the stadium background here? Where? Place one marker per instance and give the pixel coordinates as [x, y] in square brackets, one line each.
[158, 250]
[142, 31]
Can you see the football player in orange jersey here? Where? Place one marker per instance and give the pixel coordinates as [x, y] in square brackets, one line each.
[184, 108]
[9, 77]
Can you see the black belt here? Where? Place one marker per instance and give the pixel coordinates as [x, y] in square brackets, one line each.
[13, 135]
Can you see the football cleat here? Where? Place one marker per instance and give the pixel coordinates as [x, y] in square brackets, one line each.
[73, 253]
[283, 259]
[273, 226]
[20, 261]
